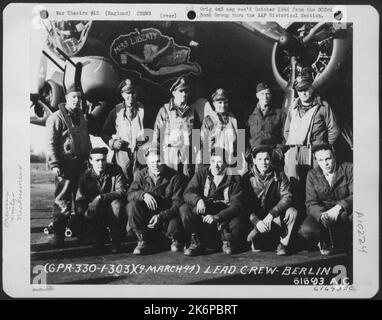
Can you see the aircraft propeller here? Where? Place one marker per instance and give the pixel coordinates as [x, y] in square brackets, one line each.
[305, 51]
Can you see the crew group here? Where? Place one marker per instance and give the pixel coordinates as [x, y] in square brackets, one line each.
[293, 186]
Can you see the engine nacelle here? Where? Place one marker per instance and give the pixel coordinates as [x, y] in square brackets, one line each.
[99, 78]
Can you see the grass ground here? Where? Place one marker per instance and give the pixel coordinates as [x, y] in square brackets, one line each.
[40, 174]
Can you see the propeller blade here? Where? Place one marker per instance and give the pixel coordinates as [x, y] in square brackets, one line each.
[326, 30]
[270, 29]
[313, 32]
[280, 80]
[289, 91]
[340, 50]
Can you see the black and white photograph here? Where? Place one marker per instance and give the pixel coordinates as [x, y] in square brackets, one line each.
[209, 147]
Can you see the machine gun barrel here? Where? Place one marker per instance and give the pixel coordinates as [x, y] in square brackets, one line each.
[65, 56]
[54, 61]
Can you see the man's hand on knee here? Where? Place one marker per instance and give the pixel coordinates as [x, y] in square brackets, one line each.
[97, 201]
[334, 213]
[261, 226]
[154, 221]
[268, 222]
[324, 219]
[201, 207]
[150, 201]
[210, 219]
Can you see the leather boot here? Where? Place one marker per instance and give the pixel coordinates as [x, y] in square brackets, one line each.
[141, 247]
[195, 247]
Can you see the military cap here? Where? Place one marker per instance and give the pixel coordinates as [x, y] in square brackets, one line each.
[219, 94]
[102, 150]
[302, 82]
[152, 148]
[261, 148]
[180, 83]
[126, 85]
[73, 87]
[262, 86]
[322, 146]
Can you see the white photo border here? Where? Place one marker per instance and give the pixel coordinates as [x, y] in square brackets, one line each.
[17, 21]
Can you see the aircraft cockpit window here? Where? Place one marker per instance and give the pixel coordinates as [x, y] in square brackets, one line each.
[69, 36]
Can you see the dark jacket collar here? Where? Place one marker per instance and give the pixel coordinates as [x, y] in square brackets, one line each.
[223, 117]
[180, 111]
[74, 115]
[271, 174]
[101, 179]
[257, 111]
[101, 176]
[134, 109]
[224, 182]
[338, 174]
